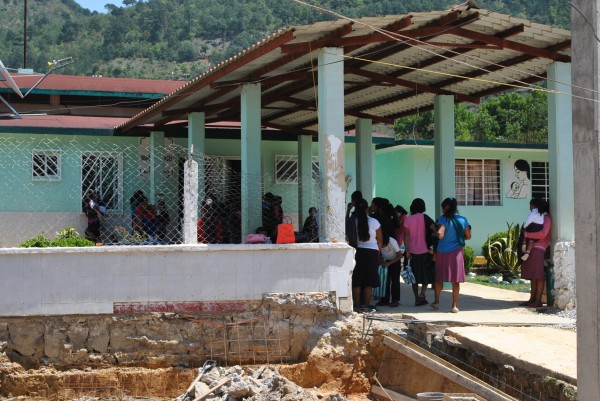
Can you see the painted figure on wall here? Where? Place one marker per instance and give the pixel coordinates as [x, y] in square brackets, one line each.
[520, 188]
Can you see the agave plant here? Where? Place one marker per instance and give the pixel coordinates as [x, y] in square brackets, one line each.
[67, 233]
[504, 254]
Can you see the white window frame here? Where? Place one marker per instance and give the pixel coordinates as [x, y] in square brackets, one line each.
[292, 168]
[545, 173]
[46, 173]
[118, 198]
[487, 194]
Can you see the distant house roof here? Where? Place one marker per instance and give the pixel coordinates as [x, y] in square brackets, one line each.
[98, 86]
[394, 66]
[61, 125]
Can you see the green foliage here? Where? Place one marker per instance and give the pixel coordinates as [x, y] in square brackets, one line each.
[469, 255]
[503, 253]
[37, 242]
[492, 238]
[67, 233]
[65, 238]
[513, 117]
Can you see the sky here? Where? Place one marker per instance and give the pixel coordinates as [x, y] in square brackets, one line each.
[98, 5]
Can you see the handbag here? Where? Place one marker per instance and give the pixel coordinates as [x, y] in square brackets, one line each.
[407, 274]
[285, 232]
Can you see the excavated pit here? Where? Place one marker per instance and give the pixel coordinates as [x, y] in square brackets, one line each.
[308, 350]
[301, 337]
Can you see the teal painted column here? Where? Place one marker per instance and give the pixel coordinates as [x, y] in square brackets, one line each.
[560, 152]
[443, 120]
[251, 162]
[331, 143]
[305, 187]
[197, 146]
[364, 158]
[157, 164]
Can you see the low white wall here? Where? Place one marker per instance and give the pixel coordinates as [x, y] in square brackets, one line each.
[56, 281]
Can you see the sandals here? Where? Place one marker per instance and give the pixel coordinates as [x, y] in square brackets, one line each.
[524, 303]
[435, 306]
[421, 301]
[394, 304]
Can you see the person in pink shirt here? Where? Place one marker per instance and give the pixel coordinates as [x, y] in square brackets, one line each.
[533, 268]
[417, 227]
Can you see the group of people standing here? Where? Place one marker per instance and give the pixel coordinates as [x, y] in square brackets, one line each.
[384, 235]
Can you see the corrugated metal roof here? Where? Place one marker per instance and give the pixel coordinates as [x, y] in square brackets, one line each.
[465, 53]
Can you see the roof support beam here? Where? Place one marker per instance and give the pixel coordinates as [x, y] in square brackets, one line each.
[409, 84]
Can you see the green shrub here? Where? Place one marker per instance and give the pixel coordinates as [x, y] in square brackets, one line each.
[72, 242]
[37, 242]
[66, 238]
[469, 255]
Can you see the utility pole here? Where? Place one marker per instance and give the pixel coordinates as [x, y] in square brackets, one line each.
[25, 34]
[586, 156]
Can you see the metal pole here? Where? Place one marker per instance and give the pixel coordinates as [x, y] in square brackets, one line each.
[25, 35]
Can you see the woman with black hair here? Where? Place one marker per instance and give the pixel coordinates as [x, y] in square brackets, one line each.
[365, 275]
[417, 228]
[453, 230]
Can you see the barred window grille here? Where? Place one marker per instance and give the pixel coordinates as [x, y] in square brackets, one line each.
[286, 169]
[102, 173]
[46, 165]
[540, 180]
[477, 182]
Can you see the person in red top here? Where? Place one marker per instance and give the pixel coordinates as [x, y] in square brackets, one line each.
[533, 268]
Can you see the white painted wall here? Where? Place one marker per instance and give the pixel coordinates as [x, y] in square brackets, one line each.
[56, 281]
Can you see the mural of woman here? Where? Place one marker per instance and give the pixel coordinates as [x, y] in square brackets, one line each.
[521, 188]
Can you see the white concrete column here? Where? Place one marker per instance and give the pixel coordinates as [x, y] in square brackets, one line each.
[251, 158]
[305, 187]
[331, 143]
[190, 202]
[157, 164]
[196, 145]
[364, 158]
[560, 151]
[586, 144]
[560, 155]
[443, 120]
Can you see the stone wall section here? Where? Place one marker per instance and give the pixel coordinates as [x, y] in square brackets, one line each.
[564, 276]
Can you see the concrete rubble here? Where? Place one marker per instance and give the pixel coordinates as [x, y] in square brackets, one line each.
[263, 384]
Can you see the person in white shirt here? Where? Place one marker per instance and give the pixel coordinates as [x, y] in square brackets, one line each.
[391, 257]
[533, 224]
[365, 275]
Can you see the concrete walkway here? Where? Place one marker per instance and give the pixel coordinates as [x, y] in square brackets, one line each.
[491, 322]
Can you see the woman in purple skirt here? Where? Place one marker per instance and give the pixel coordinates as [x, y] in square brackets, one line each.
[453, 230]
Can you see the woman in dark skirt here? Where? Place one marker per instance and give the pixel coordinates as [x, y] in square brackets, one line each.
[365, 275]
[533, 268]
[418, 251]
[449, 259]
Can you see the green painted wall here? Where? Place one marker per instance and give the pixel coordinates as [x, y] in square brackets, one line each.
[406, 172]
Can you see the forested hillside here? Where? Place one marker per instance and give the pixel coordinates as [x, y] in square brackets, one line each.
[178, 39]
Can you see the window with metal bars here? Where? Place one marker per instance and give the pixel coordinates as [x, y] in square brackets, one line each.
[102, 173]
[286, 169]
[540, 180]
[46, 165]
[477, 182]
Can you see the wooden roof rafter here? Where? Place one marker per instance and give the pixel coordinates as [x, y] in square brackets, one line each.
[441, 25]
